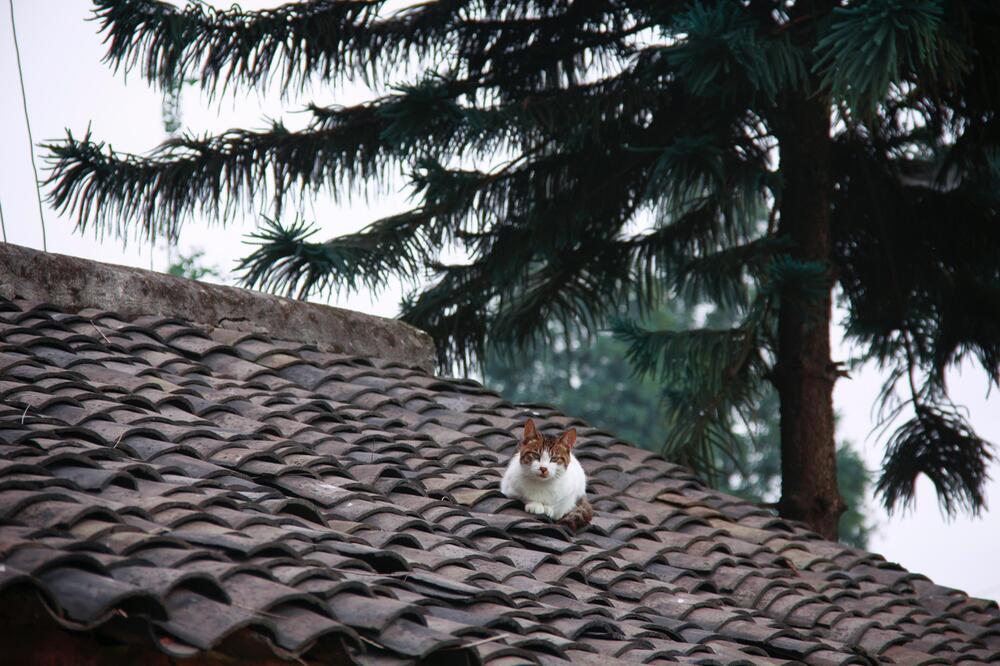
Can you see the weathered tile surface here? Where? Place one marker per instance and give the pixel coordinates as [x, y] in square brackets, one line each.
[198, 489]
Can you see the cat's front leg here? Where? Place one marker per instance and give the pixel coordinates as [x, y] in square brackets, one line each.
[551, 512]
[535, 507]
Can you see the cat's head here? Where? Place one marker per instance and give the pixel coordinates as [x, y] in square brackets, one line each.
[544, 457]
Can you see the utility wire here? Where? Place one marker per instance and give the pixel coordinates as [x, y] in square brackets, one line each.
[27, 122]
[2, 225]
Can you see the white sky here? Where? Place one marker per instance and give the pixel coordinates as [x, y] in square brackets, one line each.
[69, 87]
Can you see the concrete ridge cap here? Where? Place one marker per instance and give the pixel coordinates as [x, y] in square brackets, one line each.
[75, 284]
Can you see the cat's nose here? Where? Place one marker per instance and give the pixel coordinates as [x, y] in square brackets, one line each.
[544, 471]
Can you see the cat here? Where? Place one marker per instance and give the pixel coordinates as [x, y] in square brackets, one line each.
[545, 475]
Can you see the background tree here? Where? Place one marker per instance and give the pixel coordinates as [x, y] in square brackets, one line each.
[172, 116]
[192, 266]
[585, 155]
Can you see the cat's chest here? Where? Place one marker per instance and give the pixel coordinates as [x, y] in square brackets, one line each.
[566, 488]
[547, 493]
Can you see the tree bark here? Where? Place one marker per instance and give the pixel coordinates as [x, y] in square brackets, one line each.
[804, 374]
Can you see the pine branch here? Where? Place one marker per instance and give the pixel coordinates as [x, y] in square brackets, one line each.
[722, 51]
[803, 284]
[724, 276]
[286, 261]
[923, 295]
[556, 280]
[872, 45]
[709, 376]
[525, 281]
[343, 147]
[215, 176]
[338, 39]
[940, 444]
[455, 311]
[576, 288]
[220, 47]
[908, 274]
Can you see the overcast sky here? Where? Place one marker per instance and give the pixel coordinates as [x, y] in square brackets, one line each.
[69, 87]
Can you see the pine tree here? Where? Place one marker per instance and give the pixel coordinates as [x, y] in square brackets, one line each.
[585, 154]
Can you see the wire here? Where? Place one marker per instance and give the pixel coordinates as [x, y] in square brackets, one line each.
[27, 122]
[2, 225]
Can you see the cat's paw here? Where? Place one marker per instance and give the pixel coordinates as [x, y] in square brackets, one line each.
[535, 507]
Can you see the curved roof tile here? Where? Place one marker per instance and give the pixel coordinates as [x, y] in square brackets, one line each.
[195, 488]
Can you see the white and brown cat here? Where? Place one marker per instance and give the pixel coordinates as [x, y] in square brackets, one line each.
[545, 475]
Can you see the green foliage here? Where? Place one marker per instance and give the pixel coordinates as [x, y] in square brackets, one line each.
[707, 376]
[170, 108]
[720, 43]
[585, 158]
[287, 261]
[586, 378]
[221, 47]
[939, 444]
[870, 46]
[192, 266]
[854, 479]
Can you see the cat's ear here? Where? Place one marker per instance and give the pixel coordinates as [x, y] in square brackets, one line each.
[568, 438]
[530, 432]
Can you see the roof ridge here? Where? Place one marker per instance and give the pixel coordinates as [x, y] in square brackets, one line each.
[75, 284]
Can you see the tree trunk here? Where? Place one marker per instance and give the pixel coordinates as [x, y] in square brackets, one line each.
[804, 374]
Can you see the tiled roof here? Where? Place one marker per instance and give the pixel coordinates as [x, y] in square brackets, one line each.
[214, 491]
